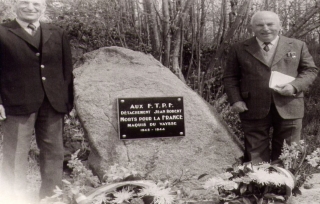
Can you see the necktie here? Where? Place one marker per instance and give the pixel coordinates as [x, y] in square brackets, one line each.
[33, 28]
[266, 47]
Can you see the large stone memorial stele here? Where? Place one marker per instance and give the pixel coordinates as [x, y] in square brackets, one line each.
[107, 74]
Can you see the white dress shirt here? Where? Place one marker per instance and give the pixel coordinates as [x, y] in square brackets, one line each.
[272, 44]
[24, 25]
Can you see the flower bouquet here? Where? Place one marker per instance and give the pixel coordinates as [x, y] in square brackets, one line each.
[248, 183]
[267, 183]
[140, 192]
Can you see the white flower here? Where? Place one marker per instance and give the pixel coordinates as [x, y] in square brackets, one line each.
[161, 195]
[230, 185]
[225, 175]
[260, 176]
[312, 162]
[314, 158]
[277, 178]
[240, 167]
[122, 196]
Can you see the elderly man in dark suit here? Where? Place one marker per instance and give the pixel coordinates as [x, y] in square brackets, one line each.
[36, 91]
[246, 81]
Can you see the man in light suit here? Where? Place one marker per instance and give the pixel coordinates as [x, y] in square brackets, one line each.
[36, 91]
[246, 81]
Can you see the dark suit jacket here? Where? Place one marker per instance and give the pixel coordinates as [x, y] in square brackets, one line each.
[246, 77]
[29, 72]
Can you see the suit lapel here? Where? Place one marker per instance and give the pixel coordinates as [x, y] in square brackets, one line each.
[46, 32]
[284, 45]
[16, 29]
[254, 49]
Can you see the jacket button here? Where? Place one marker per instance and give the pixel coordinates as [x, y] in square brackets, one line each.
[43, 78]
[37, 54]
[42, 66]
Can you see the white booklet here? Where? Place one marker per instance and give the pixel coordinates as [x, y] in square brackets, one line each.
[278, 78]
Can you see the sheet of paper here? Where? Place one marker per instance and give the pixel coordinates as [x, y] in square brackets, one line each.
[278, 78]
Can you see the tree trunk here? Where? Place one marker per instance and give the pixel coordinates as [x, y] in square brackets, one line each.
[201, 25]
[181, 44]
[193, 40]
[243, 11]
[266, 5]
[224, 21]
[166, 34]
[233, 13]
[134, 12]
[121, 22]
[202, 21]
[152, 19]
[177, 40]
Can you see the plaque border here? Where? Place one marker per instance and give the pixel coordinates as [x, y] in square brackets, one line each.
[161, 137]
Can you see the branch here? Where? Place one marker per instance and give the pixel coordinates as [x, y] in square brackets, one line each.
[241, 15]
[301, 22]
[307, 30]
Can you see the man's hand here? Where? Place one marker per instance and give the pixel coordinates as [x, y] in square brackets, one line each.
[239, 107]
[285, 89]
[2, 113]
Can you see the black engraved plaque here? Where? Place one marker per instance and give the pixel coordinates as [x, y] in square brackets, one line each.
[150, 117]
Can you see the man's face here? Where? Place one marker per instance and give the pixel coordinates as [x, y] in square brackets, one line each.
[30, 10]
[266, 26]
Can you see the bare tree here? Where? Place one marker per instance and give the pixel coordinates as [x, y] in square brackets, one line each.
[201, 23]
[154, 35]
[223, 23]
[217, 58]
[177, 37]
[166, 34]
[241, 15]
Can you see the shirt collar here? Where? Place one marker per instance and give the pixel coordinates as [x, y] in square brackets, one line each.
[25, 24]
[272, 43]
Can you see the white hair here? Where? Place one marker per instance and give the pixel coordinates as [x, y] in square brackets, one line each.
[44, 2]
[264, 12]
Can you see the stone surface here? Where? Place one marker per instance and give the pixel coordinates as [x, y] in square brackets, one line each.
[309, 196]
[106, 74]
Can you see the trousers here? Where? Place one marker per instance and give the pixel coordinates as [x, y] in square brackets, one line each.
[47, 124]
[264, 145]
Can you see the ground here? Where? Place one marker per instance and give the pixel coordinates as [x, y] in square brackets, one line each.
[309, 196]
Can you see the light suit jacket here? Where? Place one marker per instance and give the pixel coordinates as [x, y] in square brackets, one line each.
[246, 77]
[29, 72]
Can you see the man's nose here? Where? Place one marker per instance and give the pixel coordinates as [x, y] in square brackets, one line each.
[30, 6]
